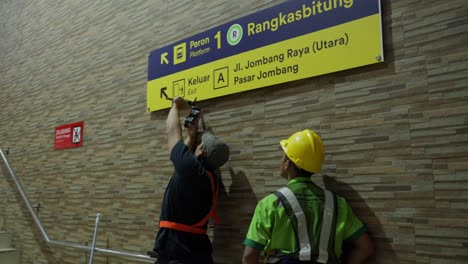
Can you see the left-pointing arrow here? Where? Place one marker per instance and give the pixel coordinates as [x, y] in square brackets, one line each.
[164, 59]
[163, 93]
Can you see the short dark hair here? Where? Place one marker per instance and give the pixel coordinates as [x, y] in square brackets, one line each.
[300, 172]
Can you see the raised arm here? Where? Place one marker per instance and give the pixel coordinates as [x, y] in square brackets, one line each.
[173, 127]
[192, 133]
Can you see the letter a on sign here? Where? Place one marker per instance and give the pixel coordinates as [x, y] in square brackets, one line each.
[221, 78]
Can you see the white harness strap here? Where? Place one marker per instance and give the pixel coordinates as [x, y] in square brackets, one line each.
[325, 232]
[302, 232]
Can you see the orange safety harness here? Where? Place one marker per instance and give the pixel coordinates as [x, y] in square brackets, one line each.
[197, 228]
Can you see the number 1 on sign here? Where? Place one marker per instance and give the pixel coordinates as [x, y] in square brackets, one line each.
[218, 39]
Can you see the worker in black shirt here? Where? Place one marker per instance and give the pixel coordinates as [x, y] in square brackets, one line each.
[191, 195]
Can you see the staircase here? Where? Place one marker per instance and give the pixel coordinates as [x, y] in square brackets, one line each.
[8, 255]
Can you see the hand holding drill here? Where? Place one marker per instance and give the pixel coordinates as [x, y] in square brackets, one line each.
[194, 114]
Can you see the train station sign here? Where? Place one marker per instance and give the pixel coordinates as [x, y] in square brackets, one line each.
[290, 41]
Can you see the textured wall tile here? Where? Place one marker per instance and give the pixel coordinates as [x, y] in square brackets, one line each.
[395, 133]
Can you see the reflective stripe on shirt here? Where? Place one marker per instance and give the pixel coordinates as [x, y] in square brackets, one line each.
[302, 232]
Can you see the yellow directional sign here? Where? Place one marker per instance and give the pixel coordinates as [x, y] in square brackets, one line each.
[290, 41]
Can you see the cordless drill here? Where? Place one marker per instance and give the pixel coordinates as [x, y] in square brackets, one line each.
[194, 112]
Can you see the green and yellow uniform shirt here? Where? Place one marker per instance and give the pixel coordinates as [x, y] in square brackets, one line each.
[271, 230]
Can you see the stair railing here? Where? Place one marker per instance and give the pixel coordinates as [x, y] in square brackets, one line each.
[65, 244]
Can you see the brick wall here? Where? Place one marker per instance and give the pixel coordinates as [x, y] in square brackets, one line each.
[396, 133]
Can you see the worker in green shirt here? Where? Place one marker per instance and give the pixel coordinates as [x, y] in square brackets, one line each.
[303, 223]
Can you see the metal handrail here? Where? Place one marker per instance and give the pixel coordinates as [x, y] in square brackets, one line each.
[56, 243]
[93, 245]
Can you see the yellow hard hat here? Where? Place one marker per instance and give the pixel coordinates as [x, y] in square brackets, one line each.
[305, 148]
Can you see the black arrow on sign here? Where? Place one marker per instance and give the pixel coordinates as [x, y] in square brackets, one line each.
[163, 92]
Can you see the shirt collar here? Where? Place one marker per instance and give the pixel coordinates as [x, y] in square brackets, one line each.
[299, 179]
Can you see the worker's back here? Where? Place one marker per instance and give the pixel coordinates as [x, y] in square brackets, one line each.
[282, 239]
